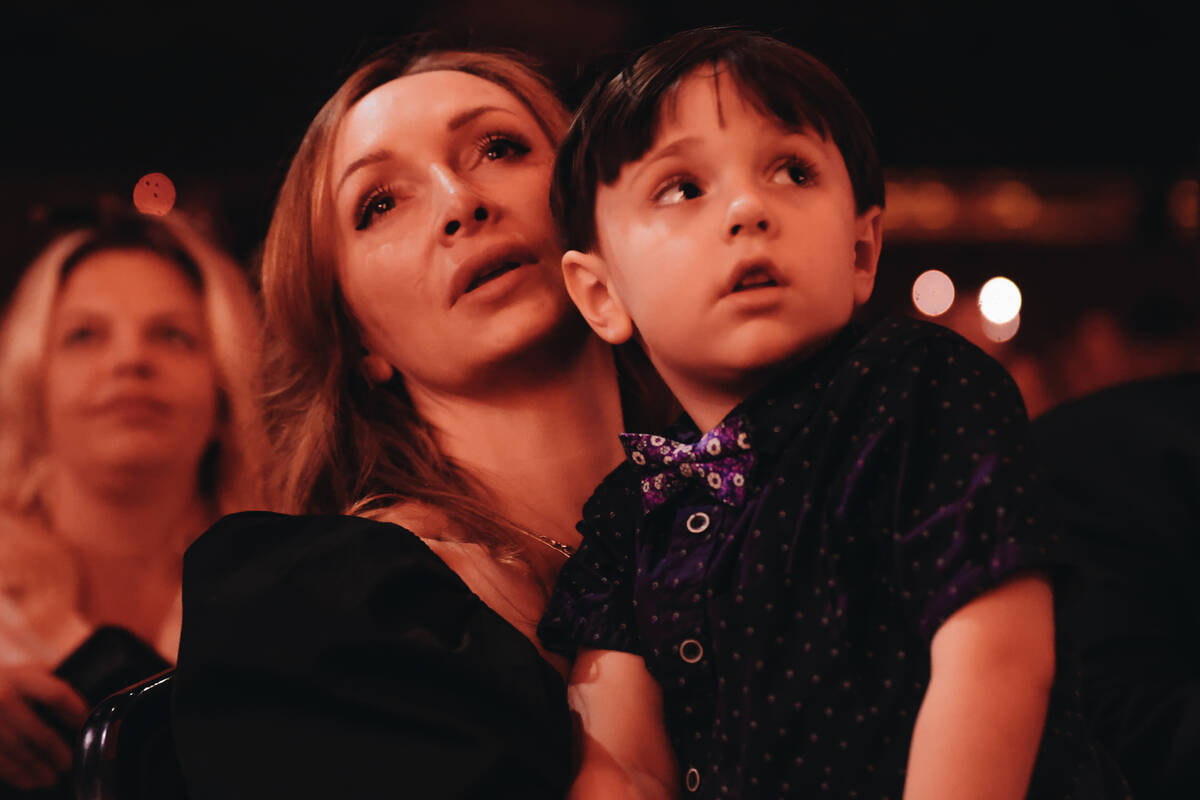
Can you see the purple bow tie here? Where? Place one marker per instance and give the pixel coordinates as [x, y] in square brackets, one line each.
[721, 460]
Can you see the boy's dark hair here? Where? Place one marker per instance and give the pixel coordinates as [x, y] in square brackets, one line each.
[618, 120]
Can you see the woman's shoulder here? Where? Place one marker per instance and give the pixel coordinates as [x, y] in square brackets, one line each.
[255, 552]
[371, 644]
[249, 534]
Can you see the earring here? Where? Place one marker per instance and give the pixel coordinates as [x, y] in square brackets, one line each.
[376, 369]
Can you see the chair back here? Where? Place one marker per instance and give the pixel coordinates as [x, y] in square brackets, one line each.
[126, 750]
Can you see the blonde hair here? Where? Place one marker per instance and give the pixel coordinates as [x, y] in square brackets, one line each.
[232, 471]
[352, 447]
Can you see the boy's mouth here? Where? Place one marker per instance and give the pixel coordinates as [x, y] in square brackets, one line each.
[754, 274]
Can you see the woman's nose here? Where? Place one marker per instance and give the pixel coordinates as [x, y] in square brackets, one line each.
[132, 356]
[747, 215]
[462, 210]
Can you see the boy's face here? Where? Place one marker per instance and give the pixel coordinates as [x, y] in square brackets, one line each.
[733, 245]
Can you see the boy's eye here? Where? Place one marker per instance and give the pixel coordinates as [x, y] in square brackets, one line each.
[677, 191]
[797, 172]
[377, 203]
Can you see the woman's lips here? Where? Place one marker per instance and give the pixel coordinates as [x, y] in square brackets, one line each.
[488, 265]
[480, 280]
[133, 406]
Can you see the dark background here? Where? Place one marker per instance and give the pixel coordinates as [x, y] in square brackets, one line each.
[216, 95]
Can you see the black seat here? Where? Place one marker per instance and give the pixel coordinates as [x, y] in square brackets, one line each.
[126, 751]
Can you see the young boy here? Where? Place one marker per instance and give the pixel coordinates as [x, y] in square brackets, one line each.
[828, 580]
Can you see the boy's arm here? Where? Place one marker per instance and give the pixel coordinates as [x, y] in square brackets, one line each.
[980, 724]
[624, 750]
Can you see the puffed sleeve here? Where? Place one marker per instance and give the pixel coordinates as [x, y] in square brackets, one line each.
[593, 603]
[964, 510]
[338, 657]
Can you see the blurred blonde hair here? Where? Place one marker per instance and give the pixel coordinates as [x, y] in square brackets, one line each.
[233, 469]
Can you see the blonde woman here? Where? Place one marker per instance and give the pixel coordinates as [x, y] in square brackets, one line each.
[129, 421]
[434, 386]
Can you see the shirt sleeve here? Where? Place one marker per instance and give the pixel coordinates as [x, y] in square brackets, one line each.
[964, 510]
[593, 603]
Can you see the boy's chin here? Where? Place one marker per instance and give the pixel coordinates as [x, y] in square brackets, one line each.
[767, 353]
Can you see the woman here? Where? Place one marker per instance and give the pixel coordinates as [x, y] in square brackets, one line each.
[128, 423]
[432, 378]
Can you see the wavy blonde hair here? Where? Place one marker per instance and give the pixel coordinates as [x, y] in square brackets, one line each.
[351, 447]
[232, 471]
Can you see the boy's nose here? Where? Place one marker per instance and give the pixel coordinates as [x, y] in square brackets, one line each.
[747, 215]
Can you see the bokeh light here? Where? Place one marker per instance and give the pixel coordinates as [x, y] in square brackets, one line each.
[1183, 203]
[1014, 204]
[999, 301]
[154, 194]
[934, 205]
[933, 293]
[1002, 331]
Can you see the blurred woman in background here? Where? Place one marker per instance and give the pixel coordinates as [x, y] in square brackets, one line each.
[129, 421]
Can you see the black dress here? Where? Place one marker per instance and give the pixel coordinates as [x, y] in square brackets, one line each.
[330, 656]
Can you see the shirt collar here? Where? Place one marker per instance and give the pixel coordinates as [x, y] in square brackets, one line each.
[776, 410]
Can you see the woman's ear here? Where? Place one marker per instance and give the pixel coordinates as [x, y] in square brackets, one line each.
[376, 369]
[868, 241]
[590, 286]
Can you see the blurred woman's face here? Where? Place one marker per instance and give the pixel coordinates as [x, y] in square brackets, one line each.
[446, 251]
[130, 381]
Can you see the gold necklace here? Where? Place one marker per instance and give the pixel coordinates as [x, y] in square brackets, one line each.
[563, 549]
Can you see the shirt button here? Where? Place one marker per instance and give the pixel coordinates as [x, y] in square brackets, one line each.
[698, 522]
[691, 651]
[692, 779]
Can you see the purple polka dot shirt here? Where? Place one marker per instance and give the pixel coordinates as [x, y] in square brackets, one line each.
[791, 633]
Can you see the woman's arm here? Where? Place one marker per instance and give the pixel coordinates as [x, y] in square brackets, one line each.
[980, 724]
[623, 746]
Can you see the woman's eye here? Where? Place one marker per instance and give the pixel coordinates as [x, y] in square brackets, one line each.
[798, 173]
[497, 146]
[376, 205]
[176, 337]
[80, 335]
[677, 192]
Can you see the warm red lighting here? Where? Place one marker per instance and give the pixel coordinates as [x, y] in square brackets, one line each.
[1001, 332]
[1184, 204]
[1014, 204]
[154, 194]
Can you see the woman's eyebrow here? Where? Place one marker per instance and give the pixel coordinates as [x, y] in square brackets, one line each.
[358, 163]
[463, 117]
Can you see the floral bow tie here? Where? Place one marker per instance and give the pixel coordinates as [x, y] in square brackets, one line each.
[721, 461]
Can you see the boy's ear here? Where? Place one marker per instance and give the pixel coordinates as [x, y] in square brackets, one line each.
[867, 244]
[589, 285]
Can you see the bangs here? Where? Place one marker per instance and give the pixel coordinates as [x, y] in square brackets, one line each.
[619, 120]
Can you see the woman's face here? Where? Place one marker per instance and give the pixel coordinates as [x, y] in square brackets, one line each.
[130, 380]
[446, 252]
